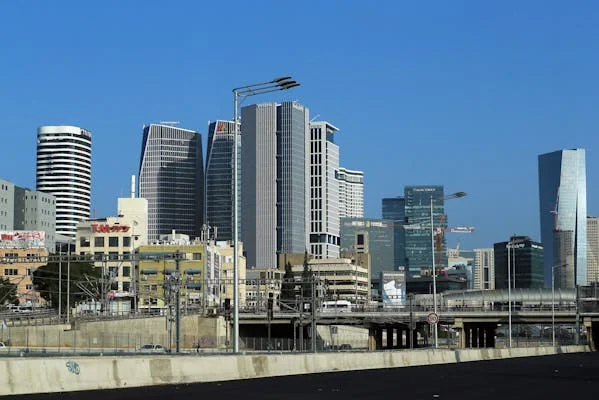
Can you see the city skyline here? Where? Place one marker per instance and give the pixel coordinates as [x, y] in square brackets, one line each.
[469, 111]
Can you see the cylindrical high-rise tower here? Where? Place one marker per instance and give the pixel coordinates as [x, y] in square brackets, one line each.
[64, 159]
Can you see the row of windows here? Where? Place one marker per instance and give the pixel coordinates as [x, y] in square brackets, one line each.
[99, 241]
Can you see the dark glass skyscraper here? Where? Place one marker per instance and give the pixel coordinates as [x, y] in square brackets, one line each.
[419, 251]
[394, 209]
[563, 214]
[526, 263]
[171, 178]
[219, 178]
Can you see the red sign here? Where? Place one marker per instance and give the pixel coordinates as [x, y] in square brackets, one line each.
[105, 228]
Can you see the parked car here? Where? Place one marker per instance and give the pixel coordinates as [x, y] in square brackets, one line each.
[152, 348]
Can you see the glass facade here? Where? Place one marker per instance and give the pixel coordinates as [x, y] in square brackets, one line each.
[526, 263]
[171, 178]
[418, 246]
[394, 209]
[292, 176]
[380, 242]
[563, 212]
[219, 178]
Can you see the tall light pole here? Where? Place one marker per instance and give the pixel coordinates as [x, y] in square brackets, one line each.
[456, 195]
[509, 295]
[281, 83]
[69, 284]
[553, 303]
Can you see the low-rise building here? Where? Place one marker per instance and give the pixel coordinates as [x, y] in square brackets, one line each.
[19, 258]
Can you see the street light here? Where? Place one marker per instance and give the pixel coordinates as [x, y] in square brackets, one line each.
[456, 195]
[280, 83]
[553, 301]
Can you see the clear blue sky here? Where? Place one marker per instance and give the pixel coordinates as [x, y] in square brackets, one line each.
[461, 93]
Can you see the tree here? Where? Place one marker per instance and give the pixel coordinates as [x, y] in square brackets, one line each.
[288, 286]
[8, 292]
[306, 279]
[84, 281]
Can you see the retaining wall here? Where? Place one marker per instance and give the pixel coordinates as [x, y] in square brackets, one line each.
[38, 375]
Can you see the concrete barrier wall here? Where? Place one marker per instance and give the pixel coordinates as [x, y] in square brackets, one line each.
[38, 375]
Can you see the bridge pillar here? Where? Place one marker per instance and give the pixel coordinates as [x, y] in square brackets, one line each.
[490, 335]
[390, 332]
[591, 333]
[474, 335]
[467, 336]
[400, 344]
[372, 338]
[481, 336]
[379, 338]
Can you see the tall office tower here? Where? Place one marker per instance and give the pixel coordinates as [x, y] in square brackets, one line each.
[219, 178]
[171, 178]
[324, 191]
[351, 193]
[563, 212]
[484, 269]
[394, 209]
[592, 250]
[275, 213]
[419, 251]
[64, 166]
[526, 263]
[24, 210]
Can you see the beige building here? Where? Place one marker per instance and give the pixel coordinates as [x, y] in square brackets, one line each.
[484, 269]
[206, 274]
[261, 282]
[592, 250]
[219, 274]
[343, 279]
[17, 265]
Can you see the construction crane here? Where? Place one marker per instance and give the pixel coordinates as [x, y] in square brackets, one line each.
[440, 234]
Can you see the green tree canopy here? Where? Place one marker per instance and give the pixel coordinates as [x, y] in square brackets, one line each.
[8, 292]
[85, 282]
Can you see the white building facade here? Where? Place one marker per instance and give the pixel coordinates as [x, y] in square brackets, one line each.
[351, 193]
[324, 191]
[64, 164]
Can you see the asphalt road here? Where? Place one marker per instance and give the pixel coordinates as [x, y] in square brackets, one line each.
[567, 376]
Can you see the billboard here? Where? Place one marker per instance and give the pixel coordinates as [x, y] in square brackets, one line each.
[22, 239]
[393, 288]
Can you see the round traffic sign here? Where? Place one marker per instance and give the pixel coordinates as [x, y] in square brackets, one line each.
[432, 318]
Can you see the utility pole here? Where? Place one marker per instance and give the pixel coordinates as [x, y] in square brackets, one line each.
[178, 303]
[411, 330]
[313, 310]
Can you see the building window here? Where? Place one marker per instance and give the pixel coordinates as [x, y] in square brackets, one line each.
[10, 271]
[126, 271]
[197, 256]
[113, 255]
[127, 241]
[98, 256]
[99, 241]
[113, 241]
[83, 241]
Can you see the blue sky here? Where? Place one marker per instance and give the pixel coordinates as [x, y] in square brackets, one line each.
[461, 93]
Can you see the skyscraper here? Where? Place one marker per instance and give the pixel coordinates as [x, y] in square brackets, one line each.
[171, 178]
[275, 211]
[394, 209]
[526, 263]
[324, 191]
[418, 247]
[219, 178]
[64, 163]
[351, 193]
[563, 207]
[592, 250]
